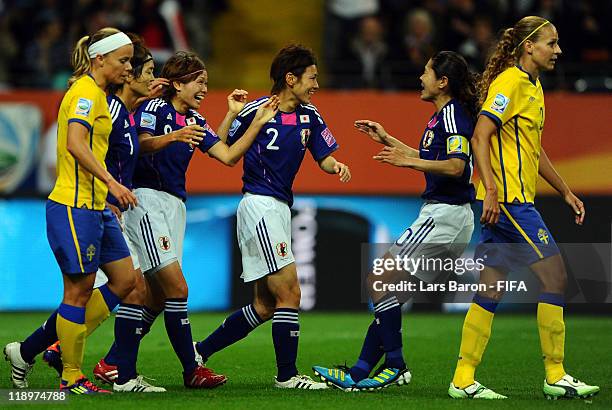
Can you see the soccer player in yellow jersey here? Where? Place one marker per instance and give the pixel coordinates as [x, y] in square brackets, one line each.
[82, 231]
[509, 156]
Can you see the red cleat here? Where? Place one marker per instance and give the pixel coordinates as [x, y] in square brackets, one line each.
[82, 386]
[203, 378]
[106, 373]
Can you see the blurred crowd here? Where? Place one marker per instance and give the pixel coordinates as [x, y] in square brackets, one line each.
[380, 44]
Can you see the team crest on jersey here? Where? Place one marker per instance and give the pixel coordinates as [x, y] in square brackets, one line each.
[164, 243]
[305, 134]
[148, 120]
[191, 121]
[83, 107]
[91, 252]
[428, 138]
[282, 249]
[500, 103]
[305, 119]
[543, 236]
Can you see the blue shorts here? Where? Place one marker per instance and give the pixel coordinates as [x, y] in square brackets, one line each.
[82, 239]
[519, 239]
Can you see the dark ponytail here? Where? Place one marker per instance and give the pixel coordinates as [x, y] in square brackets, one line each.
[462, 82]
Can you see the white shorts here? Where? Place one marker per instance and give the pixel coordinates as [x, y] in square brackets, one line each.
[264, 235]
[101, 278]
[440, 231]
[156, 227]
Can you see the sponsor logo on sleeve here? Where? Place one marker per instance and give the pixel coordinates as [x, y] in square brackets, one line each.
[500, 103]
[328, 137]
[83, 107]
[457, 144]
[234, 127]
[148, 120]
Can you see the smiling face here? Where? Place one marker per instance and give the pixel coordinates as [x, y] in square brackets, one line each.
[115, 65]
[431, 85]
[192, 93]
[306, 85]
[545, 51]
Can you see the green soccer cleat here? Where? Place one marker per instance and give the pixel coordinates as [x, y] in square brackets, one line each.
[474, 391]
[569, 388]
[384, 378]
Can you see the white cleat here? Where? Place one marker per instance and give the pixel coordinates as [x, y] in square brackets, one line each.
[300, 382]
[19, 367]
[137, 385]
[569, 388]
[474, 391]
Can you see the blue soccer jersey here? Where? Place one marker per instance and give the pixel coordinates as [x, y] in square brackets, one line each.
[165, 170]
[272, 162]
[448, 135]
[122, 145]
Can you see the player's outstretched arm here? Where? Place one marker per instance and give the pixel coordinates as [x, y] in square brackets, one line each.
[191, 134]
[235, 103]
[550, 174]
[78, 146]
[452, 167]
[231, 155]
[330, 165]
[377, 133]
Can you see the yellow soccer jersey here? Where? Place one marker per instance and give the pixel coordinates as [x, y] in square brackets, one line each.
[516, 104]
[86, 104]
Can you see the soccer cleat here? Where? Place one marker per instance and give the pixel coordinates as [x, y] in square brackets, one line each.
[82, 386]
[386, 377]
[19, 367]
[569, 388]
[300, 382]
[137, 385]
[198, 357]
[336, 377]
[53, 357]
[203, 378]
[106, 373]
[473, 391]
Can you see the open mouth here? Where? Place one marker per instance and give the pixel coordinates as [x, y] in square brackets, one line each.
[199, 97]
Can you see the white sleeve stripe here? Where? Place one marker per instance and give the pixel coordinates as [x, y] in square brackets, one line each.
[249, 110]
[149, 104]
[114, 110]
[445, 117]
[250, 104]
[452, 116]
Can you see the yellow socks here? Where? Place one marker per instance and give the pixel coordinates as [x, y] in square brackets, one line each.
[72, 332]
[552, 335]
[474, 339]
[97, 311]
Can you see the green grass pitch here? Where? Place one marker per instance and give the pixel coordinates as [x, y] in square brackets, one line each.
[512, 363]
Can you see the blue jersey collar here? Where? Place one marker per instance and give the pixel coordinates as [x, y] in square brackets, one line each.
[531, 79]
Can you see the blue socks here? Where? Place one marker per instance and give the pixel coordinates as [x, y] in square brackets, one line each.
[389, 319]
[285, 335]
[179, 332]
[148, 317]
[371, 353]
[128, 328]
[38, 341]
[237, 326]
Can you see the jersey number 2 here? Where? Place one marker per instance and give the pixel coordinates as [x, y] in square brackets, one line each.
[274, 133]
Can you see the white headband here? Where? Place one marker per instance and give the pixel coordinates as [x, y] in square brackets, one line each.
[108, 44]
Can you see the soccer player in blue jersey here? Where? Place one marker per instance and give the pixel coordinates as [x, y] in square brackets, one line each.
[509, 155]
[264, 217]
[157, 226]
[445, 223]
[83, 233]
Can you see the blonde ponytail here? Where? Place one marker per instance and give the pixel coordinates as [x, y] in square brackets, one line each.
[81, 63]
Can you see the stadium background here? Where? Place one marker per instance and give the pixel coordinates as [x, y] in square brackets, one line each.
[371, 54]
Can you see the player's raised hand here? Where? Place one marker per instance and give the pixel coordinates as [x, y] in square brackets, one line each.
[267, 111]
[373, 129]
[343, 171]
[236, 100]
[577, 206]
[394, 156]
[124, 196]
[191, 134]
[490, 209]
[157, 87]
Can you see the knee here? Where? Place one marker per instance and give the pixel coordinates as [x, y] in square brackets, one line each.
[556, 283]
[177, 290]
[77, 297]
[289, 296]
[264, 309]
[138, 294]
[127, 285]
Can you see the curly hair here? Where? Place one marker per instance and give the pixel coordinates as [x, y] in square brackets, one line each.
[508, 51]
